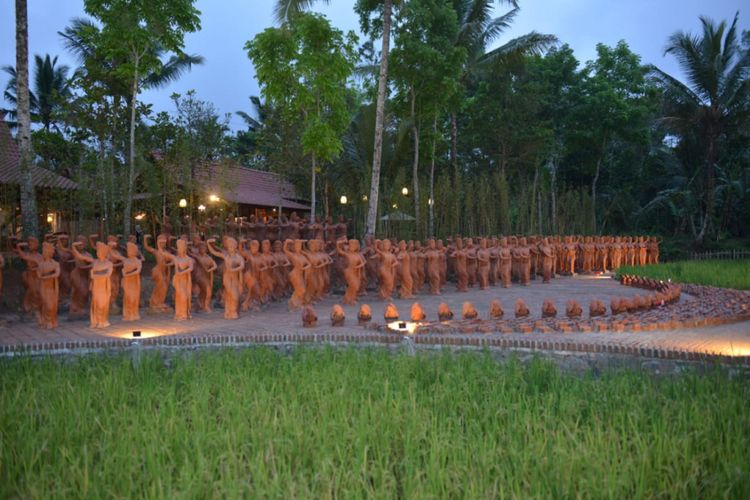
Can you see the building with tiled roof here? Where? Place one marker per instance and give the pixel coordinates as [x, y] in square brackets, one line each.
[255, 192]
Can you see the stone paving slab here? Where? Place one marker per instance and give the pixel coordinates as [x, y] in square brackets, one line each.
[275, 324]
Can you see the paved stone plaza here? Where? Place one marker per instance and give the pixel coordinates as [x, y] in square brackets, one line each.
[275, 324]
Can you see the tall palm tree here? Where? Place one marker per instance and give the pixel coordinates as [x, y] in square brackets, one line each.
[28, 198]
[715, 99]
[51, 87]
[478, 31]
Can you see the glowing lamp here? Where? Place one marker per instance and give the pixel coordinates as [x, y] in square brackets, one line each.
[213, 198]
[405, 191]
[50, 218]
[202, 207]
[343, 199]
[364, 197]
[183, 202]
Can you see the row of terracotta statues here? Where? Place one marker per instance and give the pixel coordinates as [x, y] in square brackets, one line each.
[254, 272]
[270, 228]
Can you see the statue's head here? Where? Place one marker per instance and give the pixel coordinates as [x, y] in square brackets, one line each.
[33, 243]
[386, 244]
[440, 244]
[341, 219]
[402, 245]
[297, 246]
[504, 242]
[102, 250]
[181, 247]
[431, 244]
[354, 245]
[483, 243]
[132, 250]
[48, 250]
[254, 246]
[521, 241]
[418, 245]
[459, 243]
[230, 244]
[277, 246]
[161, 242]
[266, 246]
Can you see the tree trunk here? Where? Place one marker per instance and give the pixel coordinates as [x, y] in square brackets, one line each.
[131, 166]
[709, 197]
[593, 193]
[431, 201]
[454, 144]
[553, 193]
[29, 219]
[415, 163]
[372, 209]
[312, 188]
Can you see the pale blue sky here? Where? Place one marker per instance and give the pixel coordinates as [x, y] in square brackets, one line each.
[227, 77]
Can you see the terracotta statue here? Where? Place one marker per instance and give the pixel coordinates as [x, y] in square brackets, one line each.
[67, 264]
[573, 309]
[417, 312]
[471, 263]
[337, 316]
[101, 284]
[468, 311]
[548, 259]
[494, 276]
[391, 312]
[254, 266]
[443, 262]
[522, 310]
[115, 258]
[182, 281]
[522, 259]
[483, 264]
[268, 271]
[386, 269]
[231, 275]
[159, 273]
[434, 267]
[597, 308]
[364, 316]
[309, 318]
[79, 279]
[444, 312]
[30, 276]
[203, 276]
[404, 260]
[355, 262]
[281, 270]
[496, 310]
[548, 309]
[418, 261]
[371, 263]
[131, 283]
[296, 276]
[506, 262]
[48, 273]
[462, 276]
[313, 276]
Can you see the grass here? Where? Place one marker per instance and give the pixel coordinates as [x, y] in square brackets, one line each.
[723, 273]
[324, 423]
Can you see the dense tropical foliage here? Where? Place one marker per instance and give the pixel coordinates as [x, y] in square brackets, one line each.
[487, 133]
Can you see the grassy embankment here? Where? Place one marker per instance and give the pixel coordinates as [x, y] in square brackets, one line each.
[323, 423]
[723, 273]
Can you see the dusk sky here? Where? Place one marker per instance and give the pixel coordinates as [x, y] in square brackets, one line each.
[227, 78]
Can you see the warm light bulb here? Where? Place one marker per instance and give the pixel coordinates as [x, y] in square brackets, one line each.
[183, 203]
[213, 198]
[50, 218]
[202, 207]
[405, 191]
[343, 199]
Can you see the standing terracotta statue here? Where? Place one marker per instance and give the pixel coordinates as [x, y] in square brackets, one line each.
[159, 273]
[506, 262]
[203, 277]
[404, 260]
[101, 284]
[471, 262]
[296, 276]
[48, 272]
[67, 264]
[79, 280]
[420, 262]
[386, 267]
[462, 277]
[443, 262]
[251, 274]
[355, 262]
[548, 259]
[131, 282]
[371, 264]
[116, 259]
[313, 284]
[434, 267]
[30, 276]
[281, 271]
[494, 269]
[522, 257]
[231, 276]
[182, 281]
[266, 272]
[483, 264]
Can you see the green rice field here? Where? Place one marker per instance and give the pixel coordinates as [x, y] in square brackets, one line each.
[323, 423]
[722, 273]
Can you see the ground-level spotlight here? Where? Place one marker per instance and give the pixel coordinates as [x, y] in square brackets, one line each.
[136, 334]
